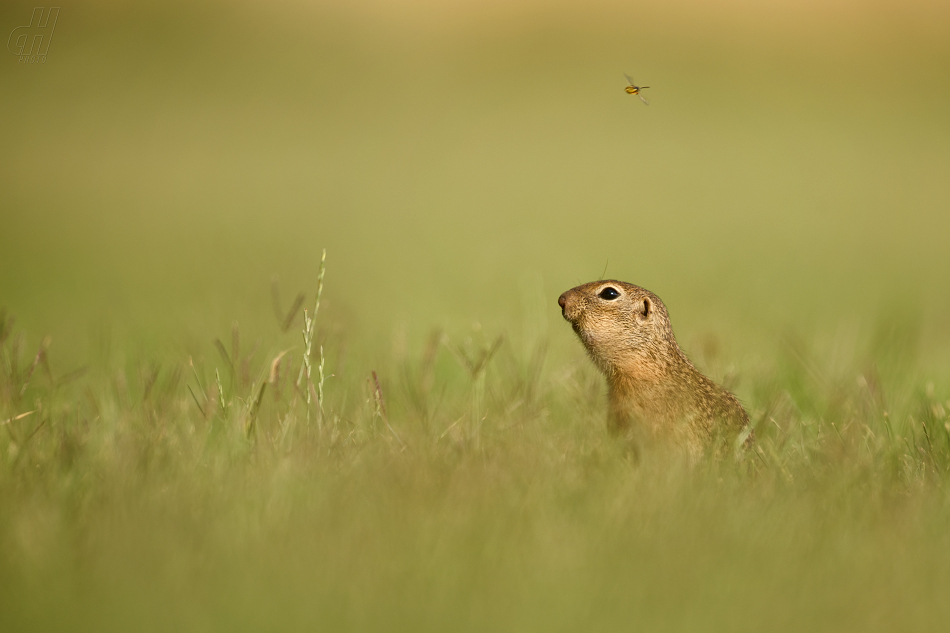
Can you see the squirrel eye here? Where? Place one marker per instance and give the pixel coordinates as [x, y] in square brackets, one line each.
[609, 293]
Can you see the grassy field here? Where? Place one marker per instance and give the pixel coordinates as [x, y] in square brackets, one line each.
[173, 173]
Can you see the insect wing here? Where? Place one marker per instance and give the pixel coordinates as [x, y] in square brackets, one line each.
[643, 99]
[630, 79]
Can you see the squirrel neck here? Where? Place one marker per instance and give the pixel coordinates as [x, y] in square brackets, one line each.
[649, 380]
[653, 363]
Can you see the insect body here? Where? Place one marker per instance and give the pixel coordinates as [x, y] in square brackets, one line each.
[634, 89]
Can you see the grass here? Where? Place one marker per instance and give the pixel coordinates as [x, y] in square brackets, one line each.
[184, 447]
[472, 488]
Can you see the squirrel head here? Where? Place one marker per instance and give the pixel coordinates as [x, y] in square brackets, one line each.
[624, 327]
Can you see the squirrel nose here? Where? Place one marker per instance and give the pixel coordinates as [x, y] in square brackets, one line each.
[562, 300]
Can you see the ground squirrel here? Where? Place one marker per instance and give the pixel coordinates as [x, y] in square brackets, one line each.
[651, 384]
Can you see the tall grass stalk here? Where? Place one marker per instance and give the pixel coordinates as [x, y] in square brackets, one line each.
[305, 368]
[221, 401]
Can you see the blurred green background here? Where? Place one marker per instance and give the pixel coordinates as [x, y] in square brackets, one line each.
[787, 193]
[461, 162]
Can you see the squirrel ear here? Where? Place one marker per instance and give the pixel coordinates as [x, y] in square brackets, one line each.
[647, 308]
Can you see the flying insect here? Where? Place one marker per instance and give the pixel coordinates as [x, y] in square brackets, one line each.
[634, 89]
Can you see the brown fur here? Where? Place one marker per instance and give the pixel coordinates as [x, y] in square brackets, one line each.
[651, 384]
